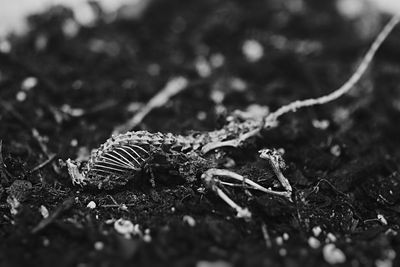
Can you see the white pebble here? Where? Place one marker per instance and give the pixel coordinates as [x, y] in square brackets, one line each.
[279, 241]
[99, 245]
[44, 211]
[331, 237]
[91, 205]
[252, 50]
[202, 67]
[333, 255]
[313, 242]
[124, 227]
[335, 150]
[321, 124]
[21, 96]
[217, 60]
[382, 219]
[316, 231]
[285, 236]
[189, 220]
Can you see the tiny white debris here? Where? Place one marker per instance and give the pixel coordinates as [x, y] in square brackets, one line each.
[313, 242]
[21, 96]
[384, 263]
[382, 219]
[285, 236]
[173, 209]
[153, 69]
[99, 245]
[202, 67]
[279, 241]
[351, 9]
[243, 213]
[74, 142]
[321, 124]
[332, 254]
[316, 230]
[46, 242]
[189, 220]
[91, 205]
[74, 112]
[124, 227]
[331, 238]
[201, 115]
[28, 83]
[252, 50]
[44, 211]
[217, 60]
[238, 85]
[217, 96]
[70, 28]
[218, 263]
[147, 236]
[5, 46]
[282, 252]
[335, 150]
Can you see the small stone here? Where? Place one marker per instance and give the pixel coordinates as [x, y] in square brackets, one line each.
[316, 230]
[98, 245]
[189, 220]
[29, 83]
[313, 242]
[124, 227]
[91, 205]
[44, 211]
[252, 50]
[333, 255]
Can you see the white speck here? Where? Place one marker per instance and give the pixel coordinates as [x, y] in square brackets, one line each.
[153, 69]
[279, 241]
[173, 209]
[21, 96]
[313, 242]
[335, 150]
[316, 231]
[218, 263]
[321, 124]
[252, 50]
[124, 227]
[330, 237]
[202, 67]
[238, 84]
[74, 112]
[189, 220]
[46, 242]
[382, 219]
[147, 236]
[384, 263]
[243, 213]
[217, 96]
[217, 60]
[5, 46]
[333, 255]
[70, 28]
[282, 252]
[285, 236]
[201, 115]
[98, 245]
[41, 42]
[91, 205]
[74, 142]
[44, 211]
[350, 9]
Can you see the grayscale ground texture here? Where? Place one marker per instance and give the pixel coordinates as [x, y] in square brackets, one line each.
[65, 88]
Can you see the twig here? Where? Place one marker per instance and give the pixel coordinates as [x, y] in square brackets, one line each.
[173, 87]
[267, 239]
[66, 205]
[345, 88]
[43, 164]
[3, 172]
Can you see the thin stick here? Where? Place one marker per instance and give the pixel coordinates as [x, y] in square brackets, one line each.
[346, 87]
[173, 87]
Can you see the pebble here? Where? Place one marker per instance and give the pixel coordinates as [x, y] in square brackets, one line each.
[333, 255]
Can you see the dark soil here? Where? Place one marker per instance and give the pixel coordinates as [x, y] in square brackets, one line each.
[345, 177]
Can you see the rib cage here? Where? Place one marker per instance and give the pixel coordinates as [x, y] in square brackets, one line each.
[119, 159]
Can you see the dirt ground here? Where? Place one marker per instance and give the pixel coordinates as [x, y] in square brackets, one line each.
[64, 88]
